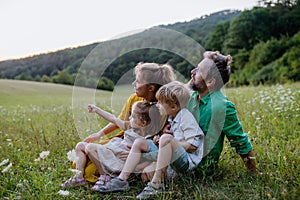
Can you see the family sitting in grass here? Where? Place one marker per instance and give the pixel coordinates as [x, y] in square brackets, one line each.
[181, 146]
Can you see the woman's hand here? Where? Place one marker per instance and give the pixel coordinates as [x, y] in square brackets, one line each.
[92, 138]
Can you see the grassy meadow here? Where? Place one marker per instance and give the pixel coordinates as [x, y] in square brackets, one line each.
[41, 122]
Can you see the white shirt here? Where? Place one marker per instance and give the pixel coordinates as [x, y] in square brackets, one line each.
[185, 127]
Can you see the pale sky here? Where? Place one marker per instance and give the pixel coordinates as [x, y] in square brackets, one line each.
[37, 26]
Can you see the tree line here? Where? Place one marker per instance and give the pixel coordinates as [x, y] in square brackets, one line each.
[264, 41]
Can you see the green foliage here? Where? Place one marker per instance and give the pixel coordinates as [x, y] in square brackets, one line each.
[273, 61]
[46, 78]
[217, 37]
[24, 76]
[287, 67]
[200, 29]
[260, 56]
[250, 27]
[63, 77]
[105, 84]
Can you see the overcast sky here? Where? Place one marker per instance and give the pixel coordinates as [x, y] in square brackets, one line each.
[37, 26]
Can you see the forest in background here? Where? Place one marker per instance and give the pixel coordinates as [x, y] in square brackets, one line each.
[264, 42]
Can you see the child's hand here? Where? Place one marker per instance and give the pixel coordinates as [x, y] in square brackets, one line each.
[156, 139]
[166, 130]
[91, 108]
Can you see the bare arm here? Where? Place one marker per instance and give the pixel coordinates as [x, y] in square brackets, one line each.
[249, 161]
[107, 129]
[96, 136]
[106, 115]
[187, 146]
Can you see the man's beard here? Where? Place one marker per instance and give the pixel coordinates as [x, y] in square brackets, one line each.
[201, 87]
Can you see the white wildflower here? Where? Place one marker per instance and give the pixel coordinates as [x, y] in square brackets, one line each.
[44, 154]
[71, 155]
[7, 168]
[63, 192]
[8, 140]
[4, 162]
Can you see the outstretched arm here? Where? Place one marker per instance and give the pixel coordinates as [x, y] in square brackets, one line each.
[106, 115]
[249, 161]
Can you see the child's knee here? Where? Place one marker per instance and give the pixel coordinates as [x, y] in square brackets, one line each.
[165, 139]
[90, 147]
[139, 143]
[80, 146]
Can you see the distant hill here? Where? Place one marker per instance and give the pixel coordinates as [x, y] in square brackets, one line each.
[62, 66]
[264, 42]
[200, 29]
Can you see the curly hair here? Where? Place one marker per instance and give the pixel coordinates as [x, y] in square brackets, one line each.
[221, 70]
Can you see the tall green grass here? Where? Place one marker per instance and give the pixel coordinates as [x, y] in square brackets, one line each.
[38, 117]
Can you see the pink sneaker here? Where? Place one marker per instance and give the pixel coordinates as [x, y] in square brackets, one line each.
[73, 182]
[103, 179]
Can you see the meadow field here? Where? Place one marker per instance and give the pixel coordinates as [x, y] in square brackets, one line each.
[41, 122]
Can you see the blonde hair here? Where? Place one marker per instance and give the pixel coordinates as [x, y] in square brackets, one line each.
[153, 73]
[173, 93]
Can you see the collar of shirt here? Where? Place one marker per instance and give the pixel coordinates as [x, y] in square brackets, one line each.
[206, 98]
[176, 119]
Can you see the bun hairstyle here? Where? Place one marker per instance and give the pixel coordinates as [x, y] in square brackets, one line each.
[142, 109]
[221, 70]
[148, 112]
